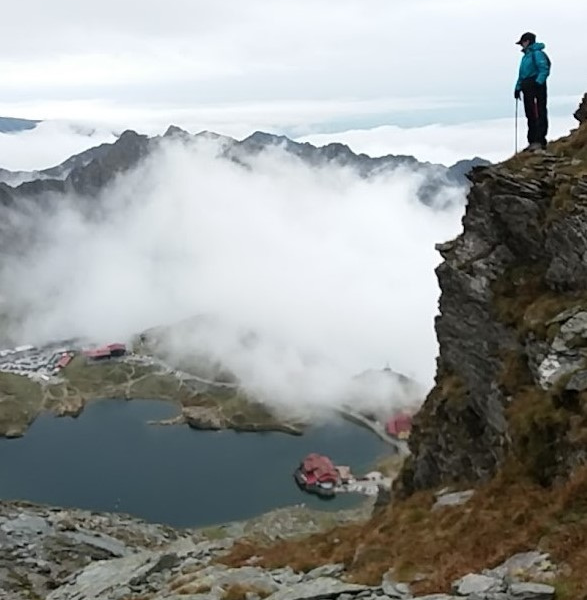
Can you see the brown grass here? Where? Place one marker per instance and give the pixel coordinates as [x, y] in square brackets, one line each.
[508, 515]
[517, 290]
[575, 146]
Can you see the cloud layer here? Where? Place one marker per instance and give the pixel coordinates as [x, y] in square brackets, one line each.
[332, 273]
[493, 140]
[47, 145]
[69, 59]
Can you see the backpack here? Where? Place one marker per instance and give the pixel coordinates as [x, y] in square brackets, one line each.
[548, 61]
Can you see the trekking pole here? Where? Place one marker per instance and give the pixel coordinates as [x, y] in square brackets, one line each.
[516, 126]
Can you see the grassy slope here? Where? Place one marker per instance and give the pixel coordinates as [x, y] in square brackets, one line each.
[20, 402]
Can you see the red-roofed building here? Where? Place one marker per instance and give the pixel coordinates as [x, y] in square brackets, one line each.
[64, 360]
[104, 352]
[399, 425]
[117, 349]
[318, 475]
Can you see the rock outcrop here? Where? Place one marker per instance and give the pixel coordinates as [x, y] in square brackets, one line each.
[581, 114]
[512, 330]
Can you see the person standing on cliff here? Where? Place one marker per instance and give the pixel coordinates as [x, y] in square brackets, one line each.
[534, 71]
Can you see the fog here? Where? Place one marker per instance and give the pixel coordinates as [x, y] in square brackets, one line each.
[48, 144]
[493, 139]
[304, 277]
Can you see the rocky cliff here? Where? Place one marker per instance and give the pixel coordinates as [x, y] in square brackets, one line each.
[511, 383]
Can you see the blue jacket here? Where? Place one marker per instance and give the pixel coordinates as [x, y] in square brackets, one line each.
[534, 65]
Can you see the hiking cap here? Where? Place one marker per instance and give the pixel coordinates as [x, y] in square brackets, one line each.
[527, 37]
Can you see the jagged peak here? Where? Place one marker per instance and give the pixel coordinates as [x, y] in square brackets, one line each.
[174, 130]
[262, 137]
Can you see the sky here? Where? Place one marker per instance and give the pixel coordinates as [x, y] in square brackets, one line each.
[295, 66]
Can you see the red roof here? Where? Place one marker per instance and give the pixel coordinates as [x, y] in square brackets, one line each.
[64, 360]
[399, 423]
[103, 351]
[319, 468]
[97, 352]
[113, 347]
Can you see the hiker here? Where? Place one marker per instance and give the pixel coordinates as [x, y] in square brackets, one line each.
[534, 70]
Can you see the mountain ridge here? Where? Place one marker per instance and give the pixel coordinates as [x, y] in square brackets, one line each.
[87, 172]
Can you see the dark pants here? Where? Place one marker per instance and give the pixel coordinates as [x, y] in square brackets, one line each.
[536, 112]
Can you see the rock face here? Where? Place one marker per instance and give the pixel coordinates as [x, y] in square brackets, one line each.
[581, 114]
[40, 547]
[512, 328]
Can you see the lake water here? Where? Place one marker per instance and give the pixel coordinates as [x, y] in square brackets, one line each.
[110, 459]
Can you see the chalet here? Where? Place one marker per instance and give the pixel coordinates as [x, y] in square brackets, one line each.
[317, 475]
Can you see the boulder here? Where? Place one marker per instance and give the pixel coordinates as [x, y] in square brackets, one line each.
[453, 499]
[523, 565]
[324, 587]
[477, 584]
[324, 571]
[531, 591]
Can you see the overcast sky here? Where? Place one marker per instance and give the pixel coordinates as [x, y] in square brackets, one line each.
[297, 66]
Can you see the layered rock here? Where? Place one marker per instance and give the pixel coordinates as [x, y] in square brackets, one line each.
[512, 328]
[581, 114]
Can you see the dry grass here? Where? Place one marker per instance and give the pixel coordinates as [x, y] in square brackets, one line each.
[575, 146]
[508, 515]
[516, 291]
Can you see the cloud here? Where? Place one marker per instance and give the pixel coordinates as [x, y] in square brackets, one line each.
[333, 274]
[53, 142]
[189, 54]
[47, 145]
[493, 139]
[228, 118]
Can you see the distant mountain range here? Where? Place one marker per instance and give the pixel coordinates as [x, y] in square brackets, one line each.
[88, 172]
[10, 125]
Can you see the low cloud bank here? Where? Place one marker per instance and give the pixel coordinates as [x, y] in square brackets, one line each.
[306, 276]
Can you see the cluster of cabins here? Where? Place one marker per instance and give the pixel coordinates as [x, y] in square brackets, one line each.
[44, 363]
[317, 474]
[34, 362]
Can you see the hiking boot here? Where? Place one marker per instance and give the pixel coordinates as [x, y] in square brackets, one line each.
[533, 147]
